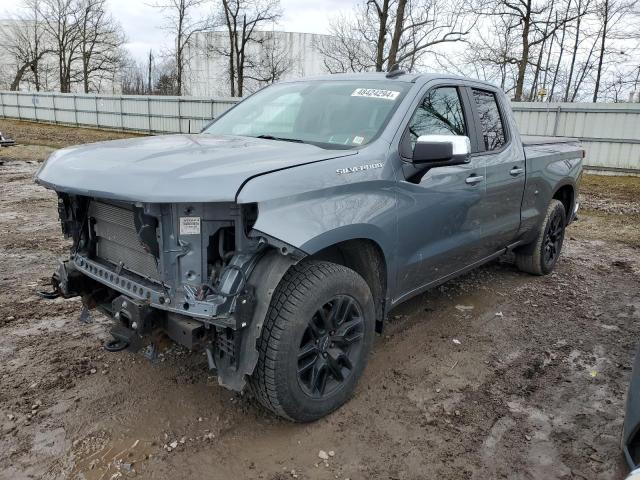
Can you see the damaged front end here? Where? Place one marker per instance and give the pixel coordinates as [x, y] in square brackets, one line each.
[196, 272]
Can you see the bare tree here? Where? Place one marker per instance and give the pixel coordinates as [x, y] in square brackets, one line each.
[182, 19]
[99, 43]
[25, 41]
[610, 14]
[132, 78]
[149, 72]
[489, 55]
[60, 22]
[534, 26]
[165, 80]
[349, 46]
[379, 34]
[243, 20]
[271, 62]
[382, 11]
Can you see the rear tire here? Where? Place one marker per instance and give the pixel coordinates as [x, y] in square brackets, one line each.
[315, 342]
[540, 256]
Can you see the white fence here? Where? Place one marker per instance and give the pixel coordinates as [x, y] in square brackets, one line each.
[153, 114]
[610, 132]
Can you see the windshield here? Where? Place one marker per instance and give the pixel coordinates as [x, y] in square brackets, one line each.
[331, 114]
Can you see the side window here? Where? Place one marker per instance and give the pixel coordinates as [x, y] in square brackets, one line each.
[440, 113]
[490, 120]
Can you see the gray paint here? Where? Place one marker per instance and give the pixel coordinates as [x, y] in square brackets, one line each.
[172, 168]
[427, 231]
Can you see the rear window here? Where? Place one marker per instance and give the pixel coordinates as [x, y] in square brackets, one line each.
[493, 134]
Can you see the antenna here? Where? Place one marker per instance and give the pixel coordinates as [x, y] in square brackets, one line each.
[394, 71]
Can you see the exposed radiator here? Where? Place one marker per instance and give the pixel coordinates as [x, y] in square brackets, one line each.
[117, 240]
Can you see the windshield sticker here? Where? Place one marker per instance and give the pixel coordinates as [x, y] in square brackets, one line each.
[357, 140]
[375, 93]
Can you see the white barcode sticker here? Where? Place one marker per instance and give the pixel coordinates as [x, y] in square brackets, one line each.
[375, 93]
[189, 225]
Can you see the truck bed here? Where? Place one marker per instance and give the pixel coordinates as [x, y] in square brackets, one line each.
[529, 140]
[549, 149]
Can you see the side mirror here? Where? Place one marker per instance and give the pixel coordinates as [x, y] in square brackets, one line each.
[441, 150]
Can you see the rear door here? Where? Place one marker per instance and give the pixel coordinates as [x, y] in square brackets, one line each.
[500, 151]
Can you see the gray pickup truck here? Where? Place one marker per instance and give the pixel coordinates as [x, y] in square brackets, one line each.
[279, 238]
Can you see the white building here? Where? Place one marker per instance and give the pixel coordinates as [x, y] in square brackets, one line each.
[273, 56]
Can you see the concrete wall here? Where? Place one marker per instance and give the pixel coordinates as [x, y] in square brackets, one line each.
[207, 68]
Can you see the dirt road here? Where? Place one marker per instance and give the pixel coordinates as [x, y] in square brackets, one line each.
[532, 388]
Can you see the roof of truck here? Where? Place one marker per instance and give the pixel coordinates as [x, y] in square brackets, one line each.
[398, 77]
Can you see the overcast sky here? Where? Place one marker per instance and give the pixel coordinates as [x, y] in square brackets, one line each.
[141, 22]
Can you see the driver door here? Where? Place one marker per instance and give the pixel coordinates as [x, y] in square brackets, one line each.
[440, 209]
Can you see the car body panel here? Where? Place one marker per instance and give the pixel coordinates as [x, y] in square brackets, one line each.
[173, 168]
[505, 181]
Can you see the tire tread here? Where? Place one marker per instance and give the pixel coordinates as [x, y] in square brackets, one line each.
[289, 293]
[529, 257]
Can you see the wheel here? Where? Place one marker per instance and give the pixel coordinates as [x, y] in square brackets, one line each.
[315, 341]
[541, 255]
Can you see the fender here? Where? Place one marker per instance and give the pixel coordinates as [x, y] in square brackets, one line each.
[314, 206]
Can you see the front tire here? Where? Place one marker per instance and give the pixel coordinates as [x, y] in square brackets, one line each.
[315, 342]
[541, 255]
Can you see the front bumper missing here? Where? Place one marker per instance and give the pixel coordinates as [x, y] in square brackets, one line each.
[135, 304]
[162, 297]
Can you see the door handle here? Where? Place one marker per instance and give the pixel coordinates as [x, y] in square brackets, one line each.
[516, 171]
[473, 179]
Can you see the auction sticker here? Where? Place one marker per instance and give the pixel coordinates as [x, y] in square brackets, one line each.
[189, 225]
[375, 93]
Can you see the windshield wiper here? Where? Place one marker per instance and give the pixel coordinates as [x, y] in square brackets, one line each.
[283, 139]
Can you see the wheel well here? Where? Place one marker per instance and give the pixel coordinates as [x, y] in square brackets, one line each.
[565, 195]
[365, 257]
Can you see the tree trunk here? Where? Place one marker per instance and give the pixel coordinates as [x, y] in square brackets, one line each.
[536, 74]
[522, 64]
[555, 74]
[85, 73]
[232, 33]
[574, 55]
[240, 56]
[149, 86]
[548, 61]
[534, 85]
[383, 17]
[179, 47]
[397, 33]
[602, 45]
[179, 75]
[15, 85]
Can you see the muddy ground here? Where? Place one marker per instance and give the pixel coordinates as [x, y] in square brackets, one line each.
[534, 389]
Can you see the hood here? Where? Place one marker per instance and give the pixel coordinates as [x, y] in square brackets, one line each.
[173, 168]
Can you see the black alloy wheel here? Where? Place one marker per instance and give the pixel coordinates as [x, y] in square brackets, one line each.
[315, 342]
[554, 236]
[330, 346]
